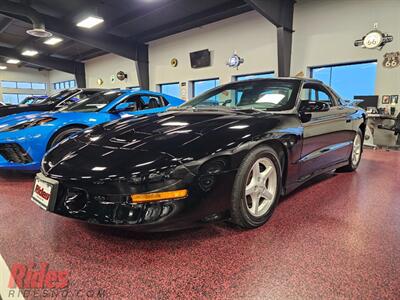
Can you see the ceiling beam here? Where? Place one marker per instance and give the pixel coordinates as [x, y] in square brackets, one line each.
[278, 12]
[89, 54]
[97, 39]
[63, 65]
[5, 23]
[226, 10]
[138, 12]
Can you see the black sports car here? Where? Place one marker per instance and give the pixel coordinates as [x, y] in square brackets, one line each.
[55, 102]
[227, 154]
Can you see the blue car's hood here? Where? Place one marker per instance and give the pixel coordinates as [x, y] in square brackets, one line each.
[22, 117]
[61, 117]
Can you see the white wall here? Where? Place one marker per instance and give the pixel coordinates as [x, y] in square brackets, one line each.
[325, 32]
[252, 36]
[58, 76]
[105, 66]
[14, 73]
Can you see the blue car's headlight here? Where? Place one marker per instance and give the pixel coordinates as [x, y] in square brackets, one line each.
[27, 124]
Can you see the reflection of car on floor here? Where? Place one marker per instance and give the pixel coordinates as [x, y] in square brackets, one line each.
[55, 102]
[24, 138]
[229, 153]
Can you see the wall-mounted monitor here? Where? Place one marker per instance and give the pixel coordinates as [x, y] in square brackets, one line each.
[200, 59]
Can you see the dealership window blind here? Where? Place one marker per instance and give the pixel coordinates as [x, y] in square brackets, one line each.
[172, 89]
[201, 86]
[255, 76]
[349, 80]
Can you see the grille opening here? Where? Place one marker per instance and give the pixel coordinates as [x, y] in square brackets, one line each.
[14, 153]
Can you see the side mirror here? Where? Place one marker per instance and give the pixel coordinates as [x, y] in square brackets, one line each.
[124, 107]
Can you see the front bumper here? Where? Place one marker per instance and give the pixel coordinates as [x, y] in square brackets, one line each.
[91, 204]
[21, 152]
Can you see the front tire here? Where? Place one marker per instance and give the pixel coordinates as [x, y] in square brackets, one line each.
[356, 154]
[257, 188]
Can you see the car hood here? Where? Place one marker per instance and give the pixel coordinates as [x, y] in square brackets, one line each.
[15, 109]
[22, 117]
[155, 142]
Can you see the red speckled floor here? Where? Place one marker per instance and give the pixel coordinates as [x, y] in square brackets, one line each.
[337, 238]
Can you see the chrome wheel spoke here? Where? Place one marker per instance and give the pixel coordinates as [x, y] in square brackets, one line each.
[251, 189]
[261, 187]
[356, 153]
[267, 195]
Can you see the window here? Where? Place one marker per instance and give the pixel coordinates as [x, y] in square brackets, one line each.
[22, 97]
[268, 95]
[172, 89]
[362, 77]
[255, 76]
[312, 92]
[38, 86]
[95, 103]
[15, 98]
[24, 85]
[201, 86]
[9, 84]
[10, 98]
[62, 85]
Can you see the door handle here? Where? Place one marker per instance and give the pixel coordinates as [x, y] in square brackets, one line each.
[348, 120]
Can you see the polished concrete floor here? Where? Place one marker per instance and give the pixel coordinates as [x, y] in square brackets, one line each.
[336, 238]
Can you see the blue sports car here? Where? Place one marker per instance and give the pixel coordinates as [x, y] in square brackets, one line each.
[26, 137]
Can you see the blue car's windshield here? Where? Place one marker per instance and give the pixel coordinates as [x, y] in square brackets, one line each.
[94, 103]
[267, 94]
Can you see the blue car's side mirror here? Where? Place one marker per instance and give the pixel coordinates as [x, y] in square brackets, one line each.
[124, 107]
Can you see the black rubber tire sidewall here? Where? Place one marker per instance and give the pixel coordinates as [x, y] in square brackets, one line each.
[239, 213]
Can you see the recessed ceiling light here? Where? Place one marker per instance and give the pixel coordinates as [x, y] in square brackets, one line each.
[3, 67]
[30, 53]
[13, 61]
[90, 22]
[53, 41]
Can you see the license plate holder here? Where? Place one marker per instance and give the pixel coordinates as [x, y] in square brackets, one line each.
[44, 192]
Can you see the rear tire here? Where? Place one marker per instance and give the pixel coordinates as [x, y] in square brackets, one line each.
[59, 136]
[257, 188]
[355, 155]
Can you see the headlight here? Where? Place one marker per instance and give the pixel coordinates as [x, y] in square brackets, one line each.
[27, 124]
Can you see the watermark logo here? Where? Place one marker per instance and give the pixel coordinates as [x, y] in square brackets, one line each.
[38, 280]
[37, 276]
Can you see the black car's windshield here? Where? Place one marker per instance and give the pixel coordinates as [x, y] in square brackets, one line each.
[59, 96]
[94, 103]
[269, 94]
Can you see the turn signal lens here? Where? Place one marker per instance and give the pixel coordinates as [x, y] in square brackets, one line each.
[171, 195]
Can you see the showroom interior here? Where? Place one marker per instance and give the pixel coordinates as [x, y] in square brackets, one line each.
[332, 234]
